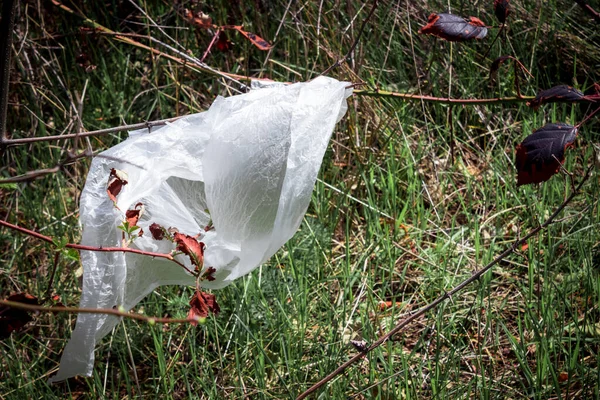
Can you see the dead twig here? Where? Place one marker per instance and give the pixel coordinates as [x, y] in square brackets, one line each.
[99, 132]
[109, 311]
[445, 100]
[447, 295]
[48, 239]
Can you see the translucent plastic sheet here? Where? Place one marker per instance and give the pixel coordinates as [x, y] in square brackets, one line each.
[249, 164]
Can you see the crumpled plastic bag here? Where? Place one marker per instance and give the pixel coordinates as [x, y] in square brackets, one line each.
[249, 164]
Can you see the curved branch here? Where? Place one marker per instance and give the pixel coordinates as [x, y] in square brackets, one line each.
[447, 295]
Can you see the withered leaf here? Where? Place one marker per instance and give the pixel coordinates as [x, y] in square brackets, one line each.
[201, 303]
[200, 19]
[190, 246]
[502, 9]
[157, 231]
[223, 43]
[561, 93]
[209, 274]
[540, 155]
[133, 216]
[454, 28]
[255, 39]
[13, 319]
[116, 180]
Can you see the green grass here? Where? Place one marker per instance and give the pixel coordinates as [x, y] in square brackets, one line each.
[528, 329]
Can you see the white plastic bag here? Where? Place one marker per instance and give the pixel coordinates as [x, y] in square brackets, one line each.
[250, 160]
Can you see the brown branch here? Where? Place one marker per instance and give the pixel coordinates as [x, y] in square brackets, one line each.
[15, 142]
[123, 38]
[445, 100]
[447, 295]
[589, 10]
[48, 239]
[110, 311]
[360, 32]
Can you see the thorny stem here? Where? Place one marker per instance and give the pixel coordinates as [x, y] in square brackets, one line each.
[109, 311]
[48, 239]
[448, 295]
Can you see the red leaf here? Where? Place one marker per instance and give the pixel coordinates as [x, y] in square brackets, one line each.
[116, 180]
[201, 303]
[190, 246]
[540, 155]
[157, 231]
[209, 274]
[454, 28]
[561, 93]
[132, 216]
[223, 44]
[256, 40]
[13, 319]
[201, 20]
[501, 9]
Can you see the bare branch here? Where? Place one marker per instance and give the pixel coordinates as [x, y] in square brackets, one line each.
[445, 100]
[447, 295]
[109, 311]
[149, 125]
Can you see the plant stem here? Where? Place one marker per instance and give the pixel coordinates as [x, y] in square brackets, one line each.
[91, 248]
[445, 100]
[110, 311]
[447, 295]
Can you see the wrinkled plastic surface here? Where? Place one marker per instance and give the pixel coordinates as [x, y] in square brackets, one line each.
[251, 160]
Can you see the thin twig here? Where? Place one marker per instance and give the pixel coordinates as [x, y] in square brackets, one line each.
[150, 124]
[446, 100]
[347, 56]
[109, 311]
[586, 119]
[51, 280]
[589, 10]
[48, 239]
[124, 38]
[447, 295]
